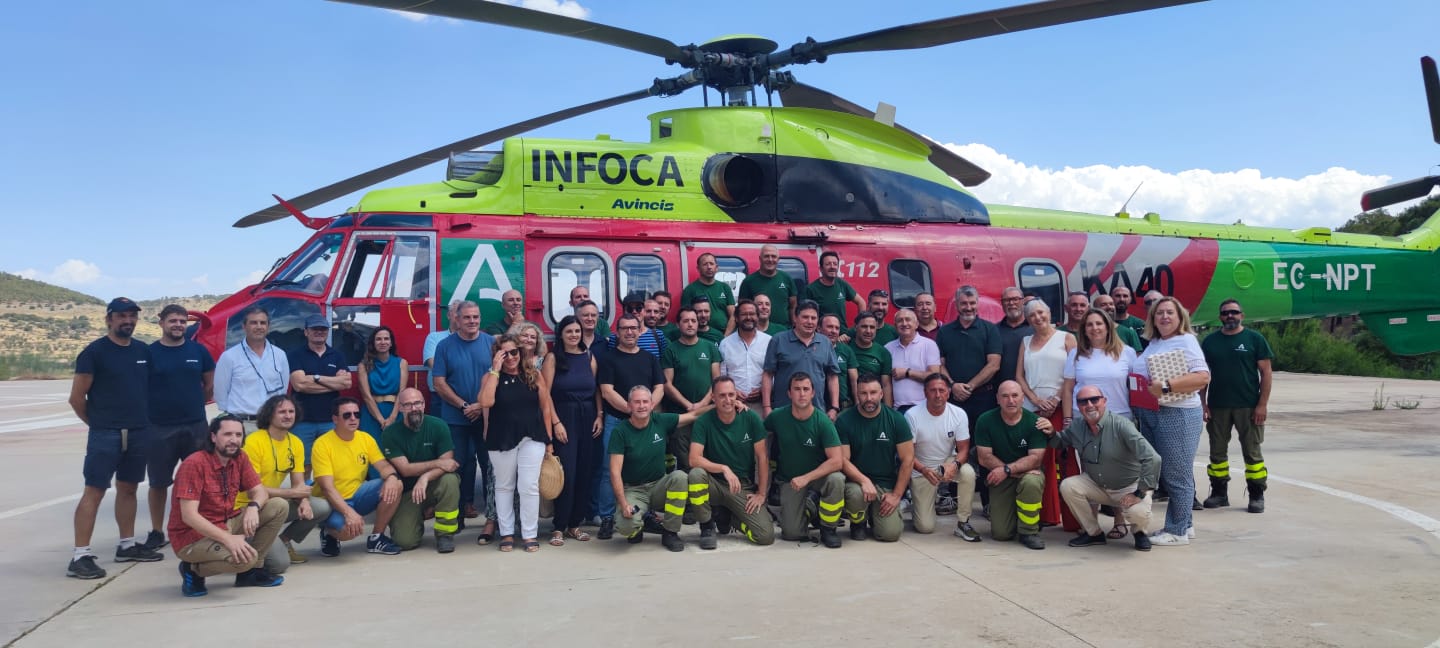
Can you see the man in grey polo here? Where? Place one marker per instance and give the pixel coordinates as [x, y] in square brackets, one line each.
[801, 350]
[1120, 468]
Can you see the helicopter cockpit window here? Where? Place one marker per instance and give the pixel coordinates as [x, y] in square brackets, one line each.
[409, 269]
[1043, 281]
[796, 269]
[908, 278]
[311, 270]
[641, 272]
[732, 270]
[365, 278]
[565, 271]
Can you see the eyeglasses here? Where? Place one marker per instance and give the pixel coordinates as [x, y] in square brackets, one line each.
[349, 415]
[1230, 313]
[1089, 400]
[627, 328]
[412, 405]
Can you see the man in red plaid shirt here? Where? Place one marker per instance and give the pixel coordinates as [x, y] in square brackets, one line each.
[209, 535]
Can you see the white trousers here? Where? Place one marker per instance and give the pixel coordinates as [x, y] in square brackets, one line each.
[518, 469]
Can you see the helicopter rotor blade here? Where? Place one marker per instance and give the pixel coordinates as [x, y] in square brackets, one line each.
[1398, 192]
[1432, 93]
[355, 183]
[959, 168]
[498, 13]
[968, 27]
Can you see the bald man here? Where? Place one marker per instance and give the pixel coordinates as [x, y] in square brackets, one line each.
[419, 448]
[770, 281]
[1011, 442]
[514, 304]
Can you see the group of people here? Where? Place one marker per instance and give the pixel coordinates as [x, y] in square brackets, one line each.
[733, 417]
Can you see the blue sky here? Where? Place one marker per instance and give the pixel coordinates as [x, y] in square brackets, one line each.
[135, 133]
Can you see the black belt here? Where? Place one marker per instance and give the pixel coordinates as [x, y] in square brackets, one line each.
[243, 417]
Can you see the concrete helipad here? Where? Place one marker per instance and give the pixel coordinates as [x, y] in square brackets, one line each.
[1348, 554]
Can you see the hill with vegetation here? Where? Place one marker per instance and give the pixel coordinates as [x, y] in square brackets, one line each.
[15, 289]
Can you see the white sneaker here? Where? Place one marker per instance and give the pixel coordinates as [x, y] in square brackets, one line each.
[1190, 532]
[1164, 539]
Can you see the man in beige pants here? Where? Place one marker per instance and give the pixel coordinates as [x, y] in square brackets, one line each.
[1119, 466]
[942, 433]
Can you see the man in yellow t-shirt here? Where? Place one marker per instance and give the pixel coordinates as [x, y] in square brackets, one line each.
[275, 454]
[342, 459]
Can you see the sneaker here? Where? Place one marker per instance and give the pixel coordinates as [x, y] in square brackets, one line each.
[946, 506]
[137, 553]
[707, 535]
[84, 568]
[155, 540]
[382, 544]
[1163, 539]
[672, 541]
[1190, 532]
[1142, 541]
[966, 532]
[1196, 505]
[607, 528]
[1032, 541]
[445, 543]
[191, 584]
[258, 577]
[329, 545]
[296, 558]
[637, 537]
[857, 530]
[829, 537]
[1086, 540]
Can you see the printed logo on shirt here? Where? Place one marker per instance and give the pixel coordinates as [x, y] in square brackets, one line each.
[141, 361]
[192, 360]
[1024, 443]
[747, 437]
[1241, 348]
[882, 437]
[704, 356]
[364, 460]
[950, 434]
[657, 438]
[809, 442]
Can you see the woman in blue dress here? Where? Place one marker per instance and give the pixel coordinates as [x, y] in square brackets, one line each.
[382, 375]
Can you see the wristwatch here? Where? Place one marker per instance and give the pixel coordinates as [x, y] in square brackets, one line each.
[1007, 470]
[252, 505]
[1165, 387]
[317, 378]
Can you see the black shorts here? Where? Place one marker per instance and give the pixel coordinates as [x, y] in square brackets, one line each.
[170, 445]
[117, 453]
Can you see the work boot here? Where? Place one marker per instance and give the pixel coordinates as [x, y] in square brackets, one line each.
[607, 528]
[1219, 494]
[1032, 541]
[857, 530]
[829, 537]
[653, 523]
[444, 543]
[707, 535]
[671, 540]
[1257, 498]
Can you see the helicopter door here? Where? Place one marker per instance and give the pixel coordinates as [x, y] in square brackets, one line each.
[389, 280]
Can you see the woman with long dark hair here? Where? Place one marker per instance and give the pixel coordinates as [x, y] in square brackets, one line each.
[382, 374]
[570, 372]
[518, 436]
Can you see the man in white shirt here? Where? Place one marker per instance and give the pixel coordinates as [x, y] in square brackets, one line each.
[942, 432]
[743, 352]
[913, 357]
[249, 373]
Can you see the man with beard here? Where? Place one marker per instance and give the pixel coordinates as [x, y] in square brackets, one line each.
[689, 364]
[110, 393]
[1121, 469]
[513, 302]
[1077, 303]
[809, 465]
[1106, 304]
[420, 449]
[1011, 442]
[208, 530]
[764, 308]
[879, 304]
[702, 307]
[667, 327]
[731, 469]
[872, 436]
[722, 299]
[871, 357]
[929, 326]
[182, 379]
[801, 350]
[1123, 299]
[742, 353]
[831, 292]
[774, 284]
[1013, 329]
[1237, 398]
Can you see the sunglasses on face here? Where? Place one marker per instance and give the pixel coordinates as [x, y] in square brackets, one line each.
[349, 415]
[1230, 313]
[1090, 400]
[510, 353]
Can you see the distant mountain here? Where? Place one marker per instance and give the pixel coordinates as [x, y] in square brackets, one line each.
[15, 288]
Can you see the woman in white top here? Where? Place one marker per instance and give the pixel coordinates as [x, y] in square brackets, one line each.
[1175, 428]
[1040, 373]
[1100, 360]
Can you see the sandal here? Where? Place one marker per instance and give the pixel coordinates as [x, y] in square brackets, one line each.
[577, 534]
[557, 539]
[1120, 531]
[532, 545]
[507, 544]
[487, 534]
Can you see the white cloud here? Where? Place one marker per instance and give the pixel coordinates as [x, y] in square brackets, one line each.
[250, 278]
[567, 8]
[1325, 199]
[410, 15]
[71, 273]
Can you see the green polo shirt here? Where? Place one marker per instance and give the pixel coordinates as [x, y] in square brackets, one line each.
[831, 299]
[643, 448]
[874, 360]
[963, 350]
[775, 329]
[845, 358]
[691, 363]
[416, 446]
[872, 442]
[721, 297]
[1234, 367]
[801, 444]
[730, 444]
[1009, 442]
[780, 288]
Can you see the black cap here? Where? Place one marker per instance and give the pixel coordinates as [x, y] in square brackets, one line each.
[122, 305]
[635, 297]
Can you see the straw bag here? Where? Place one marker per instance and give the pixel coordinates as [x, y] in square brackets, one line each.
[552, 477]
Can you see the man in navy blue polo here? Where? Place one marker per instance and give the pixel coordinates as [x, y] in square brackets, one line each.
[109, 394]
[182, 377]
[318, 374]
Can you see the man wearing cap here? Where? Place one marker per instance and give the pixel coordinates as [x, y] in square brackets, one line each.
[249, 373]
[110, 394]
[182, 377]
[317, 374]
[650, 340]
[513, 303]
[722, 299]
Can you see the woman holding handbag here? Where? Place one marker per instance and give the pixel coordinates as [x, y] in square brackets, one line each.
[521, 428]
[570, 372]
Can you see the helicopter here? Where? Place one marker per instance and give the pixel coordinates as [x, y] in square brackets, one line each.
[818, 173]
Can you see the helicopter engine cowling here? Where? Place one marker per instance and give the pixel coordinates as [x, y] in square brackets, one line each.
[733, 180]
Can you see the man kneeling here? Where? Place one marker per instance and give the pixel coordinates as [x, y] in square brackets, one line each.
[1121, 469]
[419, 448]
[207, 532]
[637, 469]
[727, 450]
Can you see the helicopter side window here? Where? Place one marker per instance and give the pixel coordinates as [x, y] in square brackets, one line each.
[796, 269]
[1043, 281]
[641, 272]
[908, 278]
[311, 271]
[368, 267]
[731, 270]
[565, 271]
[409, 269]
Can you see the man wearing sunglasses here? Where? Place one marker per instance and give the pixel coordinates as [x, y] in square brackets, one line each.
[1238, 398]
[343, 458]
[1120, 468]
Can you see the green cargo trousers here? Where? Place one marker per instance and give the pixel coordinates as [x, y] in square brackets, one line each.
[1242, 421]
[757, 527]
[671, 489]
[887, 527]
[408, 525]
[1016, 500]
[792, 505]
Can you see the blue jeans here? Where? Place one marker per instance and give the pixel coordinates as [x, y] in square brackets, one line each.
[604, 499]
[469, 441]
[308, 431]
[365, 500]
[1177, 433]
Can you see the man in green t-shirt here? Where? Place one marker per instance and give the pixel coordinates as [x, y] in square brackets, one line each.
[1011, 443]
[829, 290]
[810, 461]
[637, 469]
[874, 436]
[844, 358]
[773, 283]
[1123, 299]
[1237, 397]
[871, 357]
[730, 464]
[420, 448]
[765, 309]
[1127, 336]
[722, 299]
[703, 330]
[690, 363]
